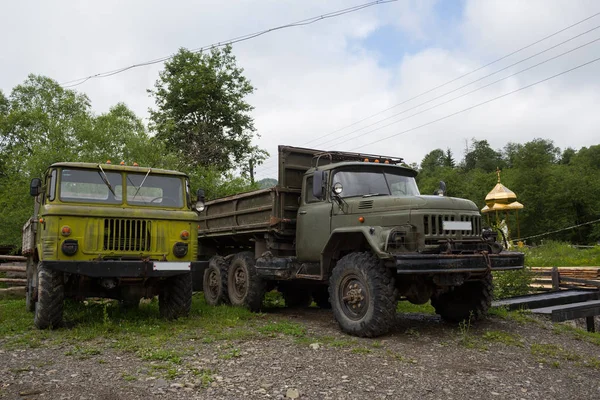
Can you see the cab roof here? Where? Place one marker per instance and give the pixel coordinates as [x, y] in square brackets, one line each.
[364, 165]
[116, 167]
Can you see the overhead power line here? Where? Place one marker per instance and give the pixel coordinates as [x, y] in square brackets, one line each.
[238, 39]
[458, 78]
[264, 168]
[479, 104]
[460, 96]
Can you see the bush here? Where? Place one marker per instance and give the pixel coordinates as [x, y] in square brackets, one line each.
[512, 283]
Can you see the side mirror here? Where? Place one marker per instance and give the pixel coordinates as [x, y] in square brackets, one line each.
[318, 181]
[200, 206]
[441, 191]
[35, 187]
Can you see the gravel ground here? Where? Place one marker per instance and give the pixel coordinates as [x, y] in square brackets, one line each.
[423, 358]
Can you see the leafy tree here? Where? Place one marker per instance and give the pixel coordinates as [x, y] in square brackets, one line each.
[433, 160]
[482, 156]
[42, 123]
[201, 112]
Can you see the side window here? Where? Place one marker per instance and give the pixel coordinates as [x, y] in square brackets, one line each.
[52, 185]
[308, 196]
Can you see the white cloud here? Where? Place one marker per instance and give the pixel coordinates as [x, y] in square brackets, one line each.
[313, 80]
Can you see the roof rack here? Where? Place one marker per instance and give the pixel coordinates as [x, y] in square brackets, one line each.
[339, 156]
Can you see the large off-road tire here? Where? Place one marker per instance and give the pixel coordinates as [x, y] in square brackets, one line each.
[295, 296]
[321, 297]
[175, 296]
[50, 298]
[214, 284]
[471, 300]
[31, 294]
[244, 286]
[363, 295]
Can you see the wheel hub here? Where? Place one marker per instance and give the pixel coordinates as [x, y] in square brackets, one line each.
[355, 297]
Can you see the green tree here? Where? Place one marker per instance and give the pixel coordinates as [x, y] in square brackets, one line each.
[42, 123]
[201, 111]
[482, 156]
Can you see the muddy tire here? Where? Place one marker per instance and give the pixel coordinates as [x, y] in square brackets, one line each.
[321, 297]
[363, 295]
[469, 300]
[214, 283]
[50, 298]
[175, 296]
[244, 286]
[296, 296]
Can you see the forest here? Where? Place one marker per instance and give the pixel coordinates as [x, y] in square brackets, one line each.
[202, 125]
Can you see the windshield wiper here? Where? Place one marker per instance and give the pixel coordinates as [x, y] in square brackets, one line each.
[105, 180]
[141, 184]
[374, 194]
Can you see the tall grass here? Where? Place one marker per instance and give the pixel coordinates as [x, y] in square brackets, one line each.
[560, 254]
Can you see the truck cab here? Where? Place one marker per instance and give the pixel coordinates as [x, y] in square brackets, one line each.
[114, 231]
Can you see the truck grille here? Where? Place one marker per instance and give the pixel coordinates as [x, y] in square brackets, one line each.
[433, 225]
[127, 234]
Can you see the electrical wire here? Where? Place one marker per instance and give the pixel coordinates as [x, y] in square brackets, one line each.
[467, 93]
[264, 168]
[460, 77]
[556, 231]
[480, 104]
[469, 84]
[308, 21]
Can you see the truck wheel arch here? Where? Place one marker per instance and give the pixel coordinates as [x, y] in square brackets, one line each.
[344, 241]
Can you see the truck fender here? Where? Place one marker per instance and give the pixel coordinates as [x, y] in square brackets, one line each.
[350, 239]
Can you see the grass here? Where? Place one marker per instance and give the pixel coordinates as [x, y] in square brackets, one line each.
[580, 334]
[136, 331]
[408, 307]
[506, 338]
[559, 254]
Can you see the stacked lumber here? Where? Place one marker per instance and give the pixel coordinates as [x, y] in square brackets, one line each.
[570, 277]
[592, 273]
[13, 274]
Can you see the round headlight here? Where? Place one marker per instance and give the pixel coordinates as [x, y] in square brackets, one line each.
[200, 206]
[337, 188]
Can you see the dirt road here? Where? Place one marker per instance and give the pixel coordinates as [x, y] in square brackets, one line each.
[301, 354]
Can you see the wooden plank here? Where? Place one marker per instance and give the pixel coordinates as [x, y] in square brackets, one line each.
[13, 280]
[12, 268]
[12, 293]
[548, 299]
[13, 258]
[566, 312]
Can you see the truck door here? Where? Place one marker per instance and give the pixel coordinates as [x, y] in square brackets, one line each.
[313, 224]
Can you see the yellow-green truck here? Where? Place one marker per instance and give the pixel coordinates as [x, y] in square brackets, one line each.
[110, 231]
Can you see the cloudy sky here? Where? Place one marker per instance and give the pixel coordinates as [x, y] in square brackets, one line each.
[342, 83]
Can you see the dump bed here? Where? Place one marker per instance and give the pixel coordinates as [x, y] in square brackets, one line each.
[272, 209]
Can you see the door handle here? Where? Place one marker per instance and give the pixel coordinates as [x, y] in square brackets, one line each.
[302, 212]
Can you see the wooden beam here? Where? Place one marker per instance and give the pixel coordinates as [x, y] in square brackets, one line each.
[13, 258]
[13, 281]
[12, 268]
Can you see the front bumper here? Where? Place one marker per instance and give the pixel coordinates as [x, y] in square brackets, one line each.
[124, 269]
[416, 263]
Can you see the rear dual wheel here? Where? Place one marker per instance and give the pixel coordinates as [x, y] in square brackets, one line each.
[244, 286]
[214, 284]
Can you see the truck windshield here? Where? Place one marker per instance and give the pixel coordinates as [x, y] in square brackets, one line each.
[376, 183]
[78, 185]
[154, 190]
[94, 186]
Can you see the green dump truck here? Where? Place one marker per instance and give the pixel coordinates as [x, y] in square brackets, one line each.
[112, 231]
[352, 232]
